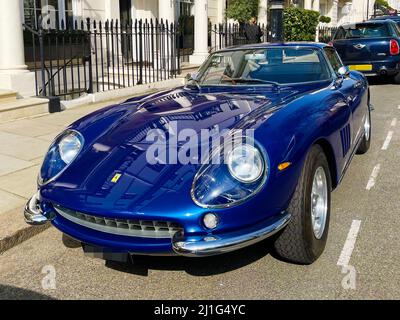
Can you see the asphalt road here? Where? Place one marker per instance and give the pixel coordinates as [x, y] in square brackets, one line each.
[364, 234]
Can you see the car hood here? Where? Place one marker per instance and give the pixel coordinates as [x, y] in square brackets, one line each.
[112, 172]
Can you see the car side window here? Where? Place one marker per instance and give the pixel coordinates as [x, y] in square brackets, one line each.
[333, 59]
[340, 34]
[396, 28]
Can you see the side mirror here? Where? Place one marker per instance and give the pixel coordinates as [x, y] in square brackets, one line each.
[344, 71]
[192, 76]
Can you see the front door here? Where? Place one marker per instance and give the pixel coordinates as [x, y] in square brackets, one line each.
[125, 7]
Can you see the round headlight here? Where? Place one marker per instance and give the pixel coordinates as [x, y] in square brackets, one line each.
[245, 163]
[69, 147]
[61, 154]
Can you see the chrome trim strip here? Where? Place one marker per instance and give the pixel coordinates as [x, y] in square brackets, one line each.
[210, 247]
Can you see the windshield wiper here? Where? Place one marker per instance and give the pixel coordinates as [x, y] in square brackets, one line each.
[243, 80]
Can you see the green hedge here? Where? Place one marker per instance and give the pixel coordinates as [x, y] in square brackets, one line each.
[300, 24]
[242, 10]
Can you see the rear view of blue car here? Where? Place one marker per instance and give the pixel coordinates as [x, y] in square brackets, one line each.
[370, 47]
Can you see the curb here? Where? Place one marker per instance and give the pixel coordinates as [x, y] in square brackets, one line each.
[20, 236]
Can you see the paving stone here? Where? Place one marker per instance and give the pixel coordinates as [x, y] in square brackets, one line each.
[10, 164]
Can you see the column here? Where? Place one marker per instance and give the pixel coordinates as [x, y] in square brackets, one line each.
[112, 9]
[334, 13]
[263, 12]
[222, 10]
[308, 4]
[14, 74]
[77, 9]
[166, 10]
[200, 32]
[316, 5]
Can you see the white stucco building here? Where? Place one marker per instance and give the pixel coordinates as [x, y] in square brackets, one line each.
[13, 71]
[342, 11]
[15, 75]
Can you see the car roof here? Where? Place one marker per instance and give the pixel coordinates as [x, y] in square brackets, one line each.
[386, 18]
[388, 21]
[315, 45]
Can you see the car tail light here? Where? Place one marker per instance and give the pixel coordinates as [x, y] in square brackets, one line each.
[394, 48]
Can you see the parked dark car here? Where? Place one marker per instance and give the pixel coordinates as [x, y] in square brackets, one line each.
[371, 47]
[394, 18]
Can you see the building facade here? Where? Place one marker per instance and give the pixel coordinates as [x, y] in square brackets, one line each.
[119, 9]
[341, 11]
[14, 73]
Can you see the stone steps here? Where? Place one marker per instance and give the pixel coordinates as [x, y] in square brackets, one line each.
[12, 108]
[7, 96]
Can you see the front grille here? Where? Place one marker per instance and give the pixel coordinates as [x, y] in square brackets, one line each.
[122, 227]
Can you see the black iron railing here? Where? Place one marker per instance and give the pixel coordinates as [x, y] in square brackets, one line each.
[233, 34]
[94, 56]
[326, 34]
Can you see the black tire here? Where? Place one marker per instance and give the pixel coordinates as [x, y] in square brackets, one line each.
[396, 78]
[365, 144]
[298, 243]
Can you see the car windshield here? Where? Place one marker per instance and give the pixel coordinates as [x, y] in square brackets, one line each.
[267, 66]
[370, 30]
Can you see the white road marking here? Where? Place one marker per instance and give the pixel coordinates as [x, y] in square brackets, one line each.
[348, 248]
[374, 175]
[394, 122]
[388, 140]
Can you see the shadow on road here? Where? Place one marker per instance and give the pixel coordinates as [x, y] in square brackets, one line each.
[374, 81]
[13, 293]
[196, 266]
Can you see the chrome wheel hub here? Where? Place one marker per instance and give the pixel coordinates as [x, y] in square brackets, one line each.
[367, 128]
[319, 203]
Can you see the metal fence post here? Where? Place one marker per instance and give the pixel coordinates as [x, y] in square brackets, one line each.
[89, 58]
[140, 81]
[42, 58]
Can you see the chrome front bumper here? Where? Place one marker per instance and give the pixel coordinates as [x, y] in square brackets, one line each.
[211, 245]
[34, 214]
[214, 245]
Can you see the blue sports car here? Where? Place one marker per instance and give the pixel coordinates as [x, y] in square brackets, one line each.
[132, 179]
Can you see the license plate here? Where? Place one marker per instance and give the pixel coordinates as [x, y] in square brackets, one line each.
[361, 67]
[100, 253]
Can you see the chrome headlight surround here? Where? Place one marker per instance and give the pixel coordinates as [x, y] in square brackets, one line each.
[61, 154]
[216, 186]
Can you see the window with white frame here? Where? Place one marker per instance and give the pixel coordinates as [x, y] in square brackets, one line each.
[186, 7]
[52, 13]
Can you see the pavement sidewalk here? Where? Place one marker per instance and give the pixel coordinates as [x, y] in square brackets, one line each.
[23, 144]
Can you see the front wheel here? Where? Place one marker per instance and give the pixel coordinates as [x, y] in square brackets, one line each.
[304, 239]
[366, 140]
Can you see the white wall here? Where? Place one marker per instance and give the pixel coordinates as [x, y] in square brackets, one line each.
[216, 11]
[358, 11]
[394, 4]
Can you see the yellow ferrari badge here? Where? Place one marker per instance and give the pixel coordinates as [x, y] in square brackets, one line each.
[116, 178]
